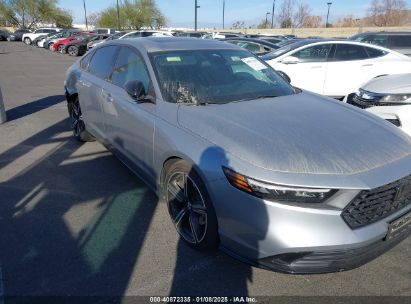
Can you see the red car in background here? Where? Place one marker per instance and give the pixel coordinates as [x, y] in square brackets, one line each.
[59, 46]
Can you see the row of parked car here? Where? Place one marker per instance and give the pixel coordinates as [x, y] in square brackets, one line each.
[338, 68]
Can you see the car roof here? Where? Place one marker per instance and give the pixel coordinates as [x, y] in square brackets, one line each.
[158, 44]
[256, 40]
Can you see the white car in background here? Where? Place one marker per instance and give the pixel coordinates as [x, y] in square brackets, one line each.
[29, 37]
[389, 97]
[147, 33]
[335, 68]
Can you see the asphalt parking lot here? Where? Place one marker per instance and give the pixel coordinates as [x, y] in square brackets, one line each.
[75, 221]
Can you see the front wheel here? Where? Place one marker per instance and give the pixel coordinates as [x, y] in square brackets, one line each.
[27, 40]
[72, 51]
[190, 207]
[77, 122]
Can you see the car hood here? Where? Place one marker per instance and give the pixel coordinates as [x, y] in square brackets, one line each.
[302, 133]
[390, 84]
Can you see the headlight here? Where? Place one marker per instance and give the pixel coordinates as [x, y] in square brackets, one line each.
[277, 193]
[397, 98]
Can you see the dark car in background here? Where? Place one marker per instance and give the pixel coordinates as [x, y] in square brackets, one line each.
[396, 41]
[79, 48]
[258, 47]
[4, 34]
[18, 34]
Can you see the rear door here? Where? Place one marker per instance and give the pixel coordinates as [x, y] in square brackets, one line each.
[347, 70]
[90, 89]
[130, 125]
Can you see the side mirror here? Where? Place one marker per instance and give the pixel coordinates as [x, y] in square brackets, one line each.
[290, 60]
[284, 76]
[135, 89]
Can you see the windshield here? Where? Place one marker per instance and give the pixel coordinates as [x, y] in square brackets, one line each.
[216, 76]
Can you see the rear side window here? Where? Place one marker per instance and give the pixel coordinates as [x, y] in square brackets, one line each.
[102, 62]
[130, 66]
[316, 53]
[347, 52]
[374, 53]
[400, 41]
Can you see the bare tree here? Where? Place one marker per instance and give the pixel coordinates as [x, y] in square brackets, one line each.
[347, 21]
[388, 12]
[238, 25]
[303, 11]
[313, 21]
[93, 18]
[285, 15]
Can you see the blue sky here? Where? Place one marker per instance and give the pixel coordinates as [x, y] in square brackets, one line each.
[180, 13]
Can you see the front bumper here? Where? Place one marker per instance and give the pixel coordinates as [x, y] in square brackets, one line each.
[329, 261]
[297, 239]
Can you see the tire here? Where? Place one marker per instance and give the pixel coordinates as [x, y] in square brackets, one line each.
[27, 40]
[50, 46]
[77, 122]
[73, 50]
[61, 49]
[190, 207]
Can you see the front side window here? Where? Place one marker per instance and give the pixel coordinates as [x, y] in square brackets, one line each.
[316, 53]
[102, 62]
[215, 76]
[347, 52]
[130, 66]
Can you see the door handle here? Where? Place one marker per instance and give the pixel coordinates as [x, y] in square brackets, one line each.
[367, 65]
[317, 67]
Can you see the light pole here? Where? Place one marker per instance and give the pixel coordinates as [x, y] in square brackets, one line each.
[272, 15]
[195, 14]
[266, 19]
[118, 16]
[223, 13]
[328, 12]
[85, 13]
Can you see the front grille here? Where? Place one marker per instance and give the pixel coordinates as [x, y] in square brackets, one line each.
[373, 205]
[364, 103]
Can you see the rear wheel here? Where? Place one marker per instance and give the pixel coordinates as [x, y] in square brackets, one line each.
[72, 50]
[77, 122]
[27, 40]
[190, 207]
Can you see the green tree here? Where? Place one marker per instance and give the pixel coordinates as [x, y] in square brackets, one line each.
[28, 13]
[134, 14]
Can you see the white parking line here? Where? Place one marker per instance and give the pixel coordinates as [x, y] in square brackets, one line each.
[1, 288]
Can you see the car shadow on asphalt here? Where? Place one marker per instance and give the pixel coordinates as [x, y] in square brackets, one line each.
[34, 106]
[52, 249]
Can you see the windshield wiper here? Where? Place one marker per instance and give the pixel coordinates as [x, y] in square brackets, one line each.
[257, 97]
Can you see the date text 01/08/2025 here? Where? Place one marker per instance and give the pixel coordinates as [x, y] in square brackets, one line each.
[203, 299]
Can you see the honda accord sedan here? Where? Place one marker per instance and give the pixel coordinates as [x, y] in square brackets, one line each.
[275, 176]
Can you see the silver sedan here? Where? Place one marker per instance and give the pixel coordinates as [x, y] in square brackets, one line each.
[278, 177]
